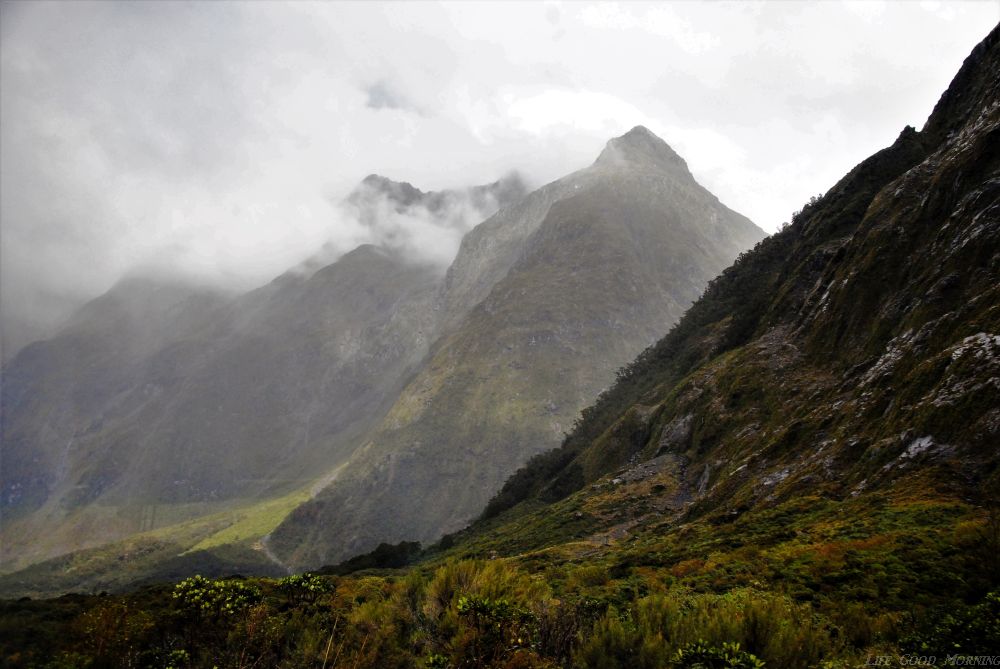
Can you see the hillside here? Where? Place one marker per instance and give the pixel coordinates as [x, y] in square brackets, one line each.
[823, 423]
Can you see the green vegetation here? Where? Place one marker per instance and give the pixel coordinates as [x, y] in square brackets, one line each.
[807, 582]
[553, 612]
[384, 556]
[255, 521]
[202, 597]
[217, 544]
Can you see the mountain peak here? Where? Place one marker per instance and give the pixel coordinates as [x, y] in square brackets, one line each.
[401, 192]
[642, 148]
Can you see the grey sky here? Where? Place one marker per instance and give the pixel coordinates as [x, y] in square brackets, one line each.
[211, 139]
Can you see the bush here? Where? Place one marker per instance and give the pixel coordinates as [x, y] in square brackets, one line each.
[215, 598]
[384, 556]
[768, 626]
[700, 655]
[496, 631]
[304, 587]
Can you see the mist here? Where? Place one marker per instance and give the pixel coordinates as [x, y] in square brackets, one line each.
[221, 141]
[423, 227]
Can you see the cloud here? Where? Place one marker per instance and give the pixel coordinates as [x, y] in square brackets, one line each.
[553, 110]
[214, 139]
[661, 20]
[424, 227]
[381, 96]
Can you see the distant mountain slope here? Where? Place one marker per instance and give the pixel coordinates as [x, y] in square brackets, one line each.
[490, 250]
[162, 402]
[575, 280]
[264, 396]
[53, 388]
[851, 359]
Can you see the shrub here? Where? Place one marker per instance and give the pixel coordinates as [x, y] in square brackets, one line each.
[384, 556]
[700, 655]
[304, 587]
[495, 579]
[496, 631]
[215, 598]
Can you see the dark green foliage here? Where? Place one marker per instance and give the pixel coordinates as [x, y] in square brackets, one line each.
[472, 614]
[384, 556]
[537, 473]
[560, 629]
[681, 629]
[498, 630]
[959, 630]
[28, 627]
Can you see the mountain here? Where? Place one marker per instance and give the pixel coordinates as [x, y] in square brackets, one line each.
[403, 196]
[162, 402]
[398, 216]
[544, 302]
[825, 420]
[215, 431]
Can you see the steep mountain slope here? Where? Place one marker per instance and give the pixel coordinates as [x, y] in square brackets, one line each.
[162, 403]
[57, 385]
[832, 400]
[489, 251]
[622, 248]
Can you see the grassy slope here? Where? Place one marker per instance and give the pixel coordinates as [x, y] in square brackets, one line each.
[221, 543]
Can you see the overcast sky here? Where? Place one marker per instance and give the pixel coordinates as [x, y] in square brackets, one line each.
[213, 139]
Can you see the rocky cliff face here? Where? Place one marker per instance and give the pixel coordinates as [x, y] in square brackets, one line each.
[543, 303]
